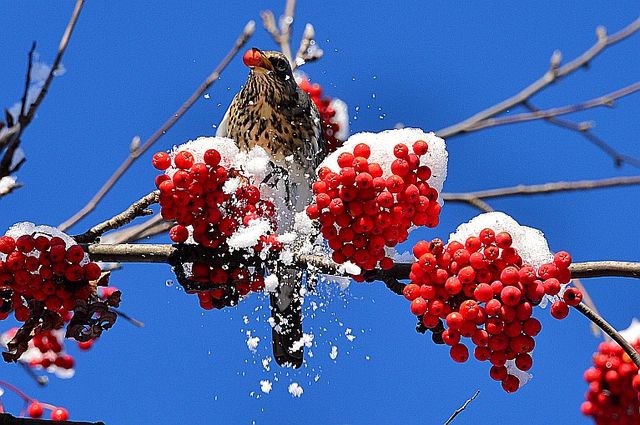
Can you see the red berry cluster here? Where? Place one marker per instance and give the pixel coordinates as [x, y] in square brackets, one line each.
[194, 197]
[52, 352]
[613, 397]
[36, 410]
[327, 114]
[224, 287]
[362, 212]
[482, 290]
[43, 269]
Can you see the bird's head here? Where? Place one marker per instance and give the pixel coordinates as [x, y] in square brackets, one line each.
[270, 67]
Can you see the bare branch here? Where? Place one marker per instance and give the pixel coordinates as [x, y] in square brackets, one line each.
[538, 189]
[164, 253]
[282, 35]
[584, 129]
[152, 227]
[133, 156]
[61, 49]
[462, 408]
[137, 209]
[554, 74]
[586, 298]
[27, 81]
[605, 100]
[269, 23]
[610, 331]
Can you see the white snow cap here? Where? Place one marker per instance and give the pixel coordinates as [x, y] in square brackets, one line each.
[382, 144]
[295, 389]
[632, 333]
[530, 242]
[27, 228]
[248, 236]
[225, 146]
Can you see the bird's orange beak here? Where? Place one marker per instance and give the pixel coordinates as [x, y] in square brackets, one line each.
[255, 59]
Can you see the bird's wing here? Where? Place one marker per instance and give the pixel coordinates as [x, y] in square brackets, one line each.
[314, 149]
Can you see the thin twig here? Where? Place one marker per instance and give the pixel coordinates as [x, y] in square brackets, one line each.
[605, 100]
[27, 82]
[610, 331]
[538, 189]
[61, 49]
[133, 156]
[39, 379]
[584, 129]
[282, 35]
[151, 227]
[137, 209]
[552, 75]
[462, 408]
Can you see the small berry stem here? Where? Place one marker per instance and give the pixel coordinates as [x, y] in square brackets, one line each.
[16, 390]
[609, 330]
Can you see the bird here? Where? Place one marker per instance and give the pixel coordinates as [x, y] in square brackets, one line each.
[273, 112]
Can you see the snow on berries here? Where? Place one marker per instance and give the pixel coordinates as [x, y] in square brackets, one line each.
[213, 194]
[333, 113]
[613, 396]
[46, 351]
[374, 189]
[479, 286]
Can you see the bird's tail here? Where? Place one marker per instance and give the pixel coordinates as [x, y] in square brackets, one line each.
[286, 311]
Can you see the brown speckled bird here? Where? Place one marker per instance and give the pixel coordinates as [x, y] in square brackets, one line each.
[271, 111]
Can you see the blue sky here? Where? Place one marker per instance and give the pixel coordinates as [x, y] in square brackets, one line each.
[425, 64]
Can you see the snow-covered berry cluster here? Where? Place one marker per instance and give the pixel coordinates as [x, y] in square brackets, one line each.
[226, 286]
[36, 266]
[196, 194]
[46, 351]
[213, 194]
[613, 397]
[482, 290]
[333, 113]
[363, 208]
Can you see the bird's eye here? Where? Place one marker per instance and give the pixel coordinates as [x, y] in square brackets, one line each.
[280, 66]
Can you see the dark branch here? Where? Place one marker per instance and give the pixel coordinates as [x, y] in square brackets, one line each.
[609, 330]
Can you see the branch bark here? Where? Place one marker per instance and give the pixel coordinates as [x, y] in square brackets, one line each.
[554, 73]
[135, 154]
[462, 408]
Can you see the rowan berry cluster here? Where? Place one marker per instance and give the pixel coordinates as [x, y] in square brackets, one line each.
[194, 196]
[363, 208]
[330, 126]
[43, 269]
[613, 397]
[226, 285]
[482, 290]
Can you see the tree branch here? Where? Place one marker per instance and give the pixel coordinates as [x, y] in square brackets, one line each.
[610, 331]
[61, 49]
[538, 189]
[554, 74]
[462, 408]
[584, 129]
[137, 209]
[134, 155]
[166, 253]
[605, 100]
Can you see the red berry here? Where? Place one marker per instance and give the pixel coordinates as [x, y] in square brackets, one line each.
[418, 306]
[35, 410]
[362, 150]
[420, 147]
[7, 244]
[459, 353]
[184, 160]
[179, 234]
[572, 296]
[75, 254]
[161, 161]
[503, 240]
[401, 150]
[212, 157]
[92, 271]
[510, 384]
[59, 414]
[559, 310]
